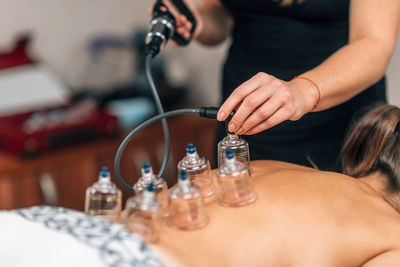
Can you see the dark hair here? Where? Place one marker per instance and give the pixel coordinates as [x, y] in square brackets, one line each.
[373, 146]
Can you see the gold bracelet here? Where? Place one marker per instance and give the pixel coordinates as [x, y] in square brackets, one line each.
[316, 86]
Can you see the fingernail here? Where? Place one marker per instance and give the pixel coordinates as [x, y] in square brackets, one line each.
[220, 116]
[240, 131]
[232, 127]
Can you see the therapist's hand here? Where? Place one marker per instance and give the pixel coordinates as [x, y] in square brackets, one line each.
[265, 101]
[183, 25]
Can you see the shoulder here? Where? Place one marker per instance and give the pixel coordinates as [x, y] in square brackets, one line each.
[262, 168]
[273, 165]
[387, 258]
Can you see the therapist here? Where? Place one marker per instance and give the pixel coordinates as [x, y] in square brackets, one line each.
[298, 70]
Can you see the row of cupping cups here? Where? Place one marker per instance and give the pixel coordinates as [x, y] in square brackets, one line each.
[183, 204]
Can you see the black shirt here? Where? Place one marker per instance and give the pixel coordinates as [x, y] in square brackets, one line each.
[285, 41]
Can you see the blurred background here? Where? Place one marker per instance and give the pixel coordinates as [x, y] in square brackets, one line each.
[81, 62]
[63, 30]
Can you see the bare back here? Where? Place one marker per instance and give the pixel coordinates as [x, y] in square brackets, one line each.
[302, 217]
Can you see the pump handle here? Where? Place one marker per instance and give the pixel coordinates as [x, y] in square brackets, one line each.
[184, 10]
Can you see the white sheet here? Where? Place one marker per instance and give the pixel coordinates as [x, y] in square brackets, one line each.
[49, 236]
[25, 243]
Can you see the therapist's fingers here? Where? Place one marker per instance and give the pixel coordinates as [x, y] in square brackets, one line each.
[240, 93]
[261, 114]
[279, 116]
[248, 106]
[187, 24]
[183, 26]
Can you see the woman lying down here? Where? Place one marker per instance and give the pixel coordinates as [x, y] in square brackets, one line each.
[303, 217]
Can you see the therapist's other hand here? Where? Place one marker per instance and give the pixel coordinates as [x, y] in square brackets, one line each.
[183, 26]
[265, 101]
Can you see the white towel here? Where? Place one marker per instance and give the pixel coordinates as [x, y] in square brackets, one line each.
[49, 236]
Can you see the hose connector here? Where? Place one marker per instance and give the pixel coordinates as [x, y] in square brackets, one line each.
[161, 29]
[211, 113]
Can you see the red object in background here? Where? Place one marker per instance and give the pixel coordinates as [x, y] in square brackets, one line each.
[18, 55]
[14, 139]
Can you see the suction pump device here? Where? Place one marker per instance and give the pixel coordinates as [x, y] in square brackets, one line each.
[162, 28]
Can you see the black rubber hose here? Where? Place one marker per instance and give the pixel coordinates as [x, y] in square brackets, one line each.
[141, 127]
[160, 111]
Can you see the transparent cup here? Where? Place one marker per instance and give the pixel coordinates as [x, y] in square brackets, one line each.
[198, 169]
[235, 182]
[142, 215]
[160, 187]
[103, 198]
[237, 145]
[187, 211]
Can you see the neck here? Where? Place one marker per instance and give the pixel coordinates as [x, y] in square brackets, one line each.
[378, 182]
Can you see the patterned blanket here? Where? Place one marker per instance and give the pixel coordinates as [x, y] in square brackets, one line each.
[53, 236]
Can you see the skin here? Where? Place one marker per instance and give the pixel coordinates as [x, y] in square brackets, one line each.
[265, 101]
[302, 217]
